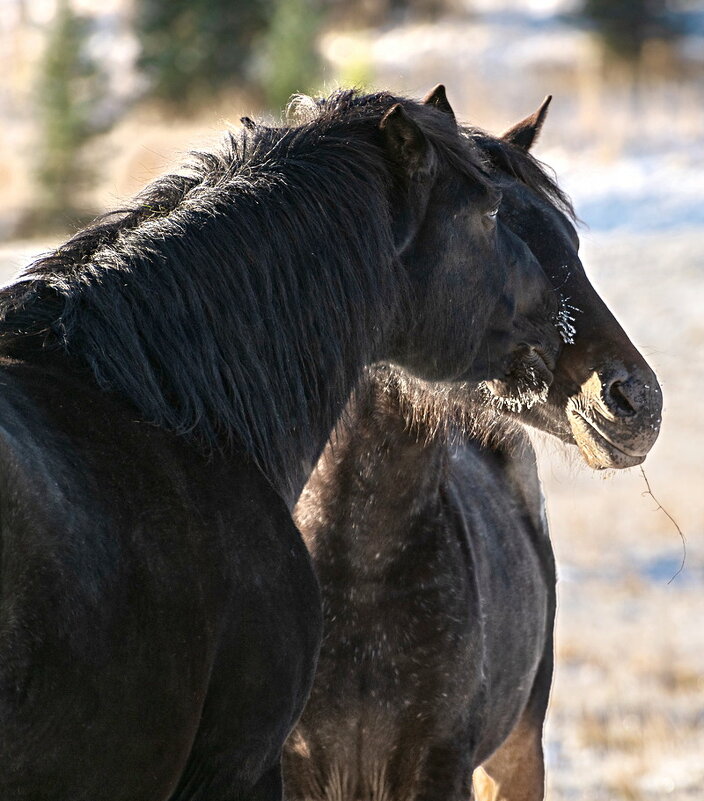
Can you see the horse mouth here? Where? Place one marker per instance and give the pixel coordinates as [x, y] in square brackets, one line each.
[598, 447]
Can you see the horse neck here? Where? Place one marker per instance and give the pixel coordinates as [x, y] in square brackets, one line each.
[272, 293]
[383, 479]
[374, 481]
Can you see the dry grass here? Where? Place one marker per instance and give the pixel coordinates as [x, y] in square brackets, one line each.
[627, 713]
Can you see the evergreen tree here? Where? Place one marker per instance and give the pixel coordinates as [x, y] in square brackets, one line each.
[625, 25]
[192, 49]
[67, 89]
[290, 62]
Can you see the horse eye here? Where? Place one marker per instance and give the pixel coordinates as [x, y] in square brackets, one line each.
[493, 214]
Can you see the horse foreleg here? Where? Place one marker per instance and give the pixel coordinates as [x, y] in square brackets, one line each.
[516, 771]
[446, 774]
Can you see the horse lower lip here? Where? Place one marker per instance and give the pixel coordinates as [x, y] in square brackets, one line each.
[594, 429]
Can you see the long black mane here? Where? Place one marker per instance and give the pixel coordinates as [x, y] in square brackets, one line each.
[218, 300]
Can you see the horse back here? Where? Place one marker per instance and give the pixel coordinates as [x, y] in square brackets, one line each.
[158, 612]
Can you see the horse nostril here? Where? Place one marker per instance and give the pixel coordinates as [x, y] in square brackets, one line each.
[619, 397]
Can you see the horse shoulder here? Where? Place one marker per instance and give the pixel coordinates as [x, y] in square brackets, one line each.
[142, 578]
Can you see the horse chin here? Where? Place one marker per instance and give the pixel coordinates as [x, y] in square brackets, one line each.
[598, 447]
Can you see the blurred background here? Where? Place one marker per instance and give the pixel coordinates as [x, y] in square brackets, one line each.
[97, 97]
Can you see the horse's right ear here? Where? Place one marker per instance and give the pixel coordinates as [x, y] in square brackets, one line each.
[406, 143]
[437, 98]
[525, 132]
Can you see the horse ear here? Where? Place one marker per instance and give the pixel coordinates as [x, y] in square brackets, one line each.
[525, 132]
[437, 97]
[405, 141]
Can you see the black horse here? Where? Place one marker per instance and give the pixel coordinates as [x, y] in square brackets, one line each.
[169, 378]
[426, 525]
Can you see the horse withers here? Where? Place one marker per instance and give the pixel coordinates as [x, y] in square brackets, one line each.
[169, 377]
[426, 525]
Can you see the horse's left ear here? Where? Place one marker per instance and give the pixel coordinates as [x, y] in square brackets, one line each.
[406, 143]
[525, 132]
[438, 97]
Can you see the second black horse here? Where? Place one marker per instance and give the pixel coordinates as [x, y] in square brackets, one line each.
[426, 525]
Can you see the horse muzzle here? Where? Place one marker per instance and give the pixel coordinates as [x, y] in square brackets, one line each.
[615, 417]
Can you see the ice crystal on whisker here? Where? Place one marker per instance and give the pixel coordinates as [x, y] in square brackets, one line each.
[527, 391]
[565, 321]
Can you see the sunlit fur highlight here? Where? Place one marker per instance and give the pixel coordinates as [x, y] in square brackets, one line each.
[436, 411]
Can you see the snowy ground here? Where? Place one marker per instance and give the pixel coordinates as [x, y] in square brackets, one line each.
[627, 714]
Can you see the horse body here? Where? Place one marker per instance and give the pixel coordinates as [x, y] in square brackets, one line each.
[435, 563]
[438, 592]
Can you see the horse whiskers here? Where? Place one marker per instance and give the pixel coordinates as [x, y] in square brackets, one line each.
[437, 412]
[523, 390]
[516, 403]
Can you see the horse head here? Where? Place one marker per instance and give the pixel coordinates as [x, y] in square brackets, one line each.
[603, 396]
[479, 298]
